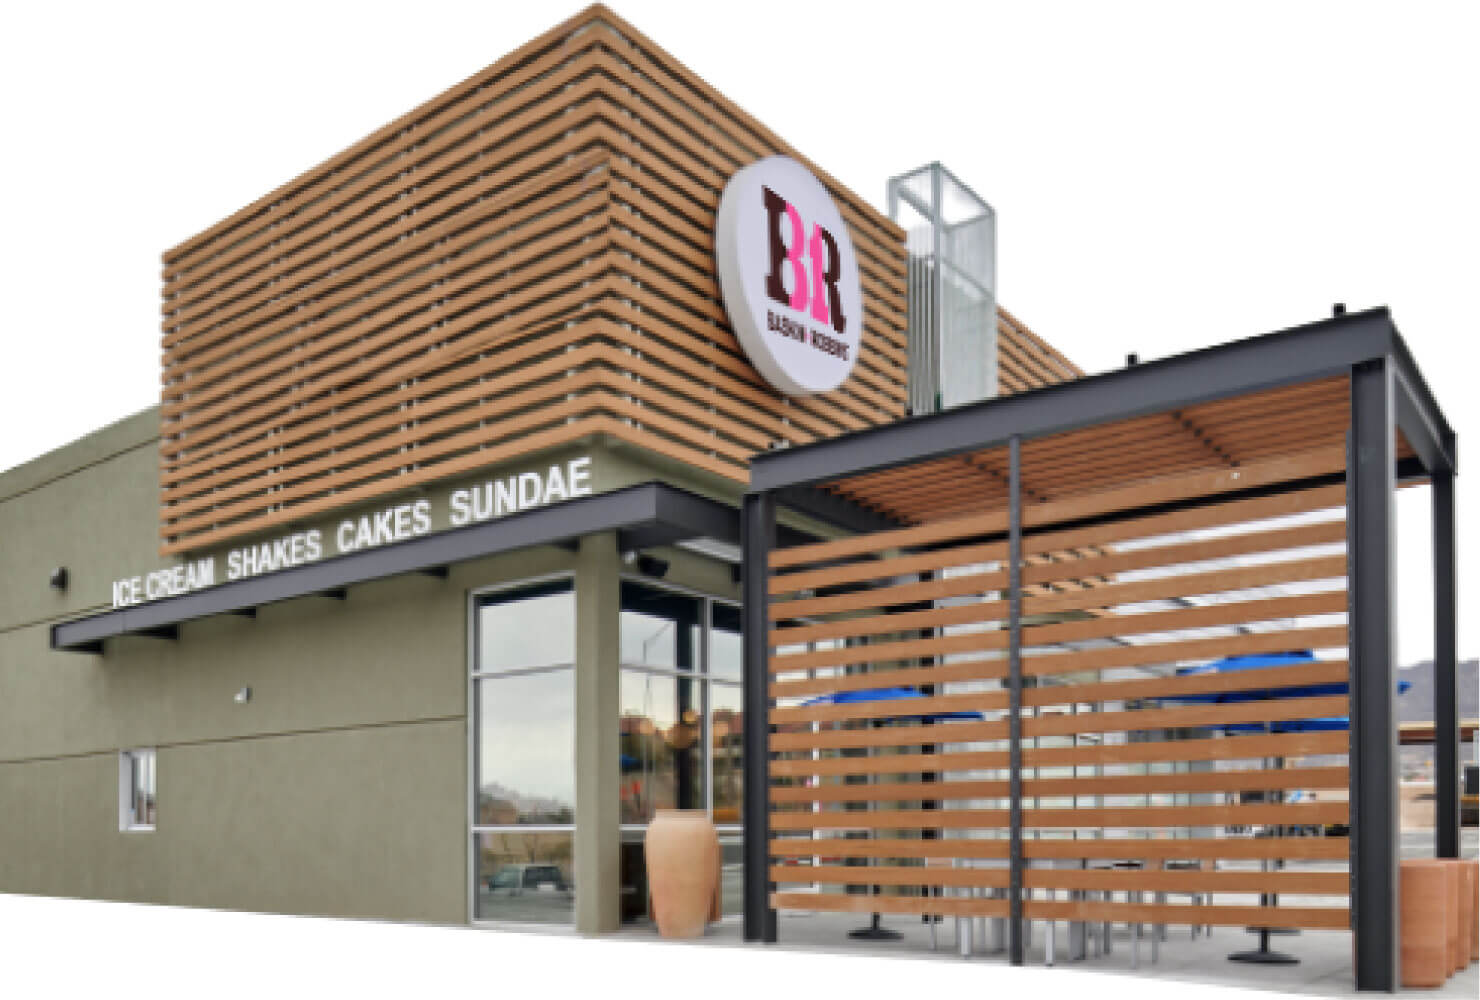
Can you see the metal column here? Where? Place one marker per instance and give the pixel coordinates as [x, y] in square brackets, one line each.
[1015, 700]
[1446, 690]
[1371, 483]
[757, 538]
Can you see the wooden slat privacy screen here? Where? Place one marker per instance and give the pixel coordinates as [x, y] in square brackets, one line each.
[521, 262]
[1150, 793]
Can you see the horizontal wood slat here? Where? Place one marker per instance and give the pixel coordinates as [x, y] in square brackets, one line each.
[1181, 585]
[1311, 917]
[946, 906]
[1047, 665]
[1286, 814]
[1149, 880]
[1272, 678]
[1226, 748]
[914, 875]
[1185, 717]
[1328, 918]
[1121, 784]
[1139, 623]
[1102, 848]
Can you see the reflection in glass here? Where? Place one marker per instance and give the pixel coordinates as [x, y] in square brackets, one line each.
[661, 753]
[724, 643]
[660, 628]
[524, 877]
[731, 876]
[633, 873]
[526, 770]
[528, 627]
[142, 784]
[727, 740]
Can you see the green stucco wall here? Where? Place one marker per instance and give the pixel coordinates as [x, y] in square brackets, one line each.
[340, 788]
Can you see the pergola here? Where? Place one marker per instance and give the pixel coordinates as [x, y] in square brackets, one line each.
[1053, 583]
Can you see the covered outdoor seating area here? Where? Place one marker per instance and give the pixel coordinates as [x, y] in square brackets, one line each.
[1104, 665]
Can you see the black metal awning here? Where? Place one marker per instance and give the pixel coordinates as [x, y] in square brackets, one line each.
[1300, 354]
[644, 516]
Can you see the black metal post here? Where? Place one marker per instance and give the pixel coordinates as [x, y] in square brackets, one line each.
[1446, 690]
[757, 537]
[1015, 700]
[1371, 483]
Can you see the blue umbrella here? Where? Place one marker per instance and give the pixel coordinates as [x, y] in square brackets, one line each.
[1337, 723]
[889, 694]
[874, 931]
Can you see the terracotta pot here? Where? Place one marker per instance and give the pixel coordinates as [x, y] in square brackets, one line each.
[1474, 895]
[682, 853]
[1464, 874]
[1425, 906]
[1459, 951]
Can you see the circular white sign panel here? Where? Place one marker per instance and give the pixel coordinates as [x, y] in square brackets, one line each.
[788, 276]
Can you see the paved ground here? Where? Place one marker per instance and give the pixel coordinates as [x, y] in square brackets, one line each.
[1420, 843]
[1324, 967]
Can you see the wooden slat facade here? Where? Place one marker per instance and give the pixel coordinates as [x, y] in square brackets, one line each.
[1150, 793]
[1025, 360]
[523, 261]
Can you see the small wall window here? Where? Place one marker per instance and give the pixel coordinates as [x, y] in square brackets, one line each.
[136, 790]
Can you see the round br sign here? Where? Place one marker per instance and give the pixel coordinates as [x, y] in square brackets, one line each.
[789, 276]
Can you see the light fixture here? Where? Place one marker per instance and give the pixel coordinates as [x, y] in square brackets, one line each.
[59, 578]
[243, 696]
[652, 566]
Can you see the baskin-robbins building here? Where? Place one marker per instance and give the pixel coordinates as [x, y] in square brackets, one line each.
[572, 447]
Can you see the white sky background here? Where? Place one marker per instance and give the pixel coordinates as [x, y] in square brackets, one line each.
[1166, 176]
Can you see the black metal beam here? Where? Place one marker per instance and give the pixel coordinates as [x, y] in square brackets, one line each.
[1374, 745]
[170, 632]
[243, 612]
[1418, 413]
[758, 537]
[438, 572]
[635, 507]
[1329, 347]
[1015, 700]
[337, 593]
[832, 509]
[1446, 676]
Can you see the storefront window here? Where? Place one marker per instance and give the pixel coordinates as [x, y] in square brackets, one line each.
[727, 744]
[660, 628]
[526, 748]
[724, 643]
[525, 877]
[662, 751]
[524, 754]
[529, 627]
[680, 730]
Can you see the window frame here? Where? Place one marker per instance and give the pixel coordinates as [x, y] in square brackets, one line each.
[700, 673]
[472, 829]
[128, 812]
[728, 832]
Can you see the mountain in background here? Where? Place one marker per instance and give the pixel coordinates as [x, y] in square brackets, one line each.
[1417, 705]
[500, 804]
